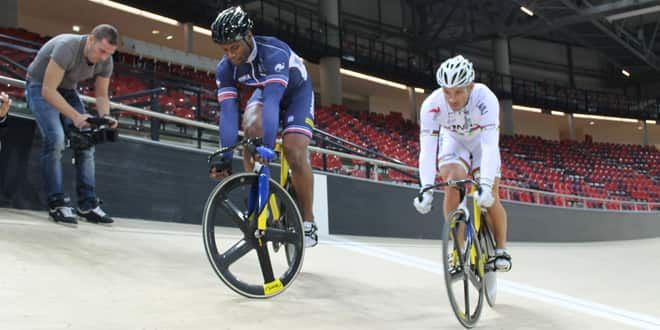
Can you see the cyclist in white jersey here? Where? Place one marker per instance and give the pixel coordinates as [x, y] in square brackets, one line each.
[464, 117]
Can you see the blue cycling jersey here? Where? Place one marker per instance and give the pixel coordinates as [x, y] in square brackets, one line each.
[272, 67]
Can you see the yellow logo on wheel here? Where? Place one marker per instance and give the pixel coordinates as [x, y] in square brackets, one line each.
[273, 287]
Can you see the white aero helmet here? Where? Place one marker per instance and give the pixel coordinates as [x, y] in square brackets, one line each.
[455, 72]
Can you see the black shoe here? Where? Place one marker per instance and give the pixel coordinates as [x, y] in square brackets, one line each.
[63, 214]
[95, 215]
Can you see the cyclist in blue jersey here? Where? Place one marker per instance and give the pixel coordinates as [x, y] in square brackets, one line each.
[282, 83]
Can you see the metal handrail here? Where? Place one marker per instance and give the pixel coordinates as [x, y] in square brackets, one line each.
[375, 162]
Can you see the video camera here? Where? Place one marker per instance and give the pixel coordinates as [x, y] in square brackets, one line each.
[99, 132]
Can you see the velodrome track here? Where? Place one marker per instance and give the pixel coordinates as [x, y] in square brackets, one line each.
[155, 275]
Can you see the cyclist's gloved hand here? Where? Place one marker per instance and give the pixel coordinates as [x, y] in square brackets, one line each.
[424, 206]
[220, 169]
[486, 198]
[265, 154]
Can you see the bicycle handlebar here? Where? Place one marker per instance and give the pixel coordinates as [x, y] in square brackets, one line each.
[451, 183]
[251, 143]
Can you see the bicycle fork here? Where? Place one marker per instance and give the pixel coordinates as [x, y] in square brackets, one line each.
[258, 206]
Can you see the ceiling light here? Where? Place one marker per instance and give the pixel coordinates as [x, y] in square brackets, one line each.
[524, 108]
[625, 120]
[592, 123]
[372, 79]
[526, 11]
[633, 13]
[155, 32]
[202, 30]
[75, 28]
[625, 73]
[136, 11]
[169, 37]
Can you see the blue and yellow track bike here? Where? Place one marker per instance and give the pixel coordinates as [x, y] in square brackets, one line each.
[252, 227]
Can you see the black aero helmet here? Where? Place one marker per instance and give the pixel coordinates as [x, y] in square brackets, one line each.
[232, 24]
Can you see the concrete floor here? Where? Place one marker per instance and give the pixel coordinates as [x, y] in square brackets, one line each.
[152, 275]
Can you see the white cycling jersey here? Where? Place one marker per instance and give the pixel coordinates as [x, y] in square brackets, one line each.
[469, 137]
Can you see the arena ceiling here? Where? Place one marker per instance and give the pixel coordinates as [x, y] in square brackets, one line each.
[625, 31]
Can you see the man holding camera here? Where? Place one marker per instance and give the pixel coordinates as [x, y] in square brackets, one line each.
[52, 80]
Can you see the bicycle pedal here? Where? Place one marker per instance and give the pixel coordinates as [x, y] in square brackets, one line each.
[455, 270]
[490, 265]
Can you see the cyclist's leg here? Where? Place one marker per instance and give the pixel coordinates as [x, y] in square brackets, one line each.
[454, 165]
[297, 133]
[252, 124]
[497, 217]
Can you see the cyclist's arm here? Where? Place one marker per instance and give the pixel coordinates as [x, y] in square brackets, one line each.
[276, 67]
[228, 101]
[490, 137]
[428, 143]
[490, 155]
[272, 94]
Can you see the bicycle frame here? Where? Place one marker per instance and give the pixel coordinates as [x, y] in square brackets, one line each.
[472, 223]
[263, 191]
[284, 164]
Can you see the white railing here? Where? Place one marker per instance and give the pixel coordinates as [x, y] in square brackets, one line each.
[573, 201]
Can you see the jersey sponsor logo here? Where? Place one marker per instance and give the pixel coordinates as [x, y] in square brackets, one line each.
[435, 110]
[290, 119]
[482, 108]
[279, 67]
[244, 77]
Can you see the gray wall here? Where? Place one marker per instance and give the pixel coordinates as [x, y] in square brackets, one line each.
[135, 180]
[364, 208]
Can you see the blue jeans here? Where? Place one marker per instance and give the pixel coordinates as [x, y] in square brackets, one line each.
[52, 131]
